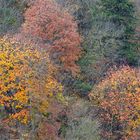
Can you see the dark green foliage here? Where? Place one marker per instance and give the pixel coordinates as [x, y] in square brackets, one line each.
[82, 87]
[122, 13]
[101, 45]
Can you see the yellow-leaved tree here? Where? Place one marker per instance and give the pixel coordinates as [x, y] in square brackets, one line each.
[27, 82]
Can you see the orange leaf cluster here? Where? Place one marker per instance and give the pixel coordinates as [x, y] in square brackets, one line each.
[118, 97]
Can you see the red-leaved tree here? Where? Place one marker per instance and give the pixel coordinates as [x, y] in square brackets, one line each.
[48, 25]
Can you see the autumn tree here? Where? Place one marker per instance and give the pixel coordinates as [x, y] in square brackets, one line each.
[13, 95]
[27, 83]
[118, 99]
[52, 27]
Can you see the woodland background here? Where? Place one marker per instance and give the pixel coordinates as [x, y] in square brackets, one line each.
[69, 70]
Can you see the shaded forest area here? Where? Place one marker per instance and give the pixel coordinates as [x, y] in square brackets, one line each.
[69, 69]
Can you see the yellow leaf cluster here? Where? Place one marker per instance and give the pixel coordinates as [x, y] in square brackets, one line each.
[27, 80]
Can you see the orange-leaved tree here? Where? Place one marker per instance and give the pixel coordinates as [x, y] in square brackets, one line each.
[49, 25]
[118, 99]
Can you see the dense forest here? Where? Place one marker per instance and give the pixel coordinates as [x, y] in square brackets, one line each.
[69, 69]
